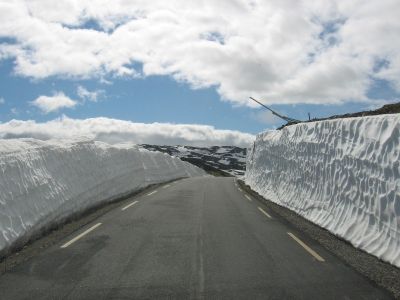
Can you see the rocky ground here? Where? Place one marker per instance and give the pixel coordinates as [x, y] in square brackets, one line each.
[217, 160]
[393, 108]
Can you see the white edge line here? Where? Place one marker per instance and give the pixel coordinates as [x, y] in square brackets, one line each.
[80, 235]
[166, 186]
[264, 212]
[248, 198]
[153, 192]
[308, 249]
[129, 205]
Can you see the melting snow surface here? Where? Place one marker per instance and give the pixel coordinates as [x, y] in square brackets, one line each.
[343, 175]
[44, 182]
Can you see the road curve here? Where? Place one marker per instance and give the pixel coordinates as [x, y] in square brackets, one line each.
[198, 238]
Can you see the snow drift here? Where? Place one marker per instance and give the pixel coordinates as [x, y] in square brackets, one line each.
[343, 175]
[44, 182]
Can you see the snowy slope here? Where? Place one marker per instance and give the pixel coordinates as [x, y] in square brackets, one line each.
[229, 159]
[43, 182]
[342, 174]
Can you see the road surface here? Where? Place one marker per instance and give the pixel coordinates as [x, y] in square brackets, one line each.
[198, 238]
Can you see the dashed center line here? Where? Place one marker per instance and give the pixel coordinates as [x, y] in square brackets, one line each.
[308, 249]
[248, 198]
[129, 205]
[166, 186]
[80, 236]
[153, 192]
[264, 212]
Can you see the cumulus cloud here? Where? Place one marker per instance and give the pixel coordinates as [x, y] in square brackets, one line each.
[53, 103]
[117, 131]
[266, 117]
[2, 101]
[84, 94]
[280, 51]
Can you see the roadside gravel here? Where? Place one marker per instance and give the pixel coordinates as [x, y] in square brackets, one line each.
[55, 233]
[382, 273]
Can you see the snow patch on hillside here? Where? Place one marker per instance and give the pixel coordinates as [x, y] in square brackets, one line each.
[44, 182]
[343, 175]
[229, 159]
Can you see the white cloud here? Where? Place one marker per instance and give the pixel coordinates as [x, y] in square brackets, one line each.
[116, 131]
[266, 117]
[280, 51]
[54, 103]
[2, 101]
[84, 94]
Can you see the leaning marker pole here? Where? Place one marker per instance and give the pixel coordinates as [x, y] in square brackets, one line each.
[287, 119]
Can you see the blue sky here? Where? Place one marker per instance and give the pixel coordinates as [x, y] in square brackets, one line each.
[184, 64]
[152, 99]
[157, 99]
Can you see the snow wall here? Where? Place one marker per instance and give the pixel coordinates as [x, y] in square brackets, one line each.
[45, 182]
[343, 175]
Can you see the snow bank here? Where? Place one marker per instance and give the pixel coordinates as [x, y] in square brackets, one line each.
[343, 175]
[42, 183]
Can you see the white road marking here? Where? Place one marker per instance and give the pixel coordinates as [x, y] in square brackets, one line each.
[240, 189]
[166, 186]
[129, 205]
[153, 192]
[308, 249]
[80, 236]
[264, 212]
[248, 198]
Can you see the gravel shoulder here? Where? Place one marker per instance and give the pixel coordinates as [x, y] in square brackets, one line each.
[56, 232]
[383, 274]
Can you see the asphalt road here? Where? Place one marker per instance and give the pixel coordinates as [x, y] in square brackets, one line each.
[198, 238]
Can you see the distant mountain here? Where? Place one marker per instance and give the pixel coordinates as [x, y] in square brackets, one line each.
[218, 160]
